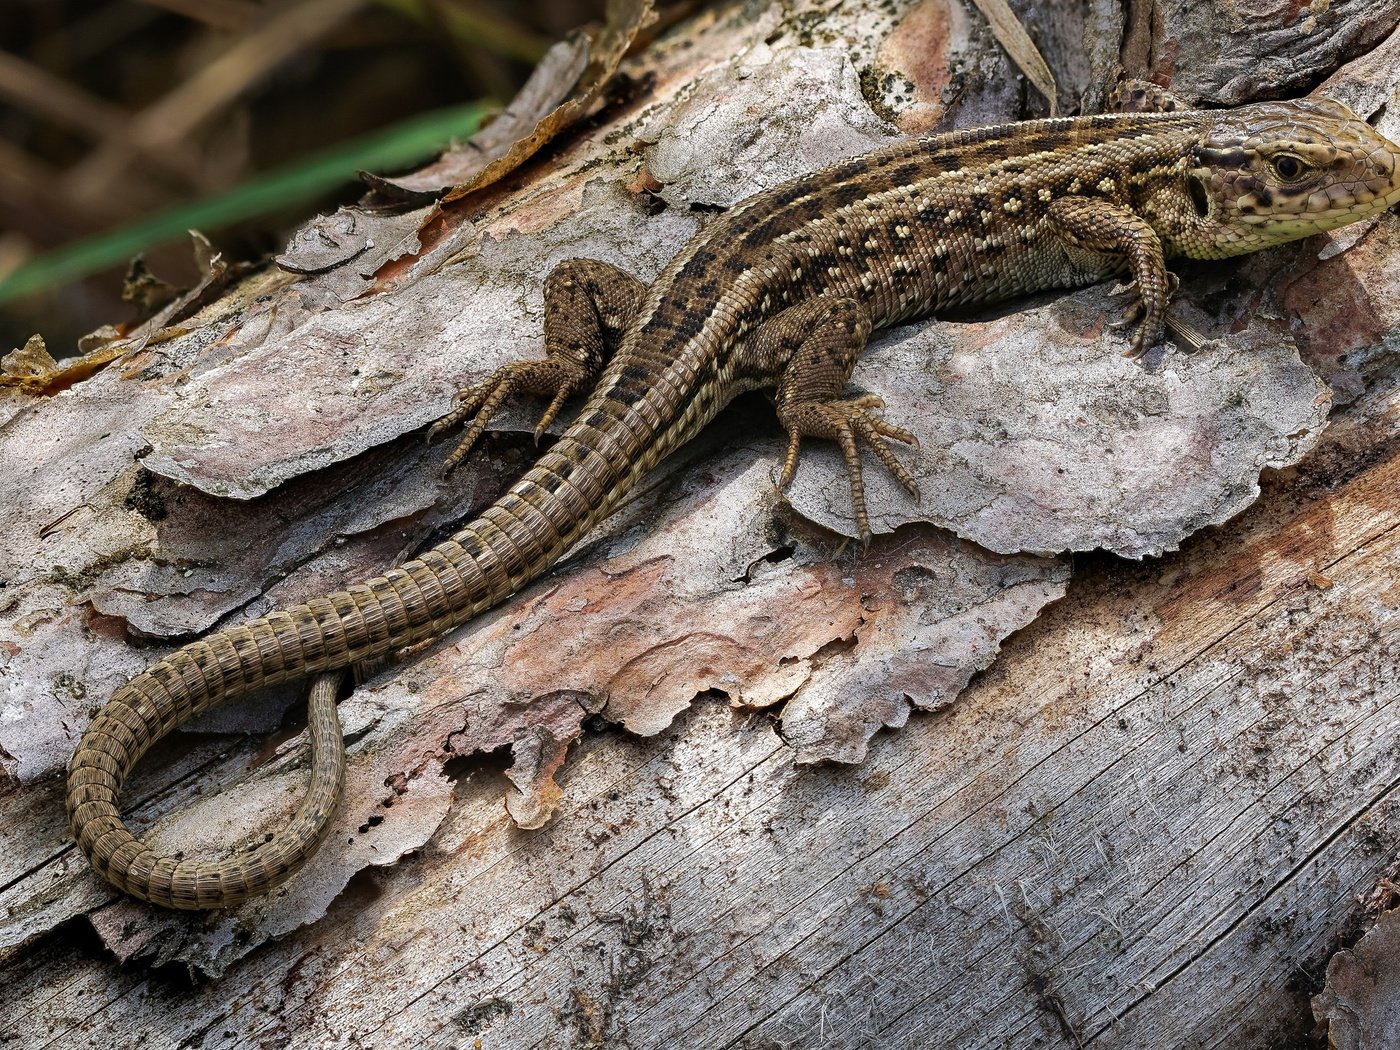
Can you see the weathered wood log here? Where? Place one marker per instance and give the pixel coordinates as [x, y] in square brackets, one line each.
[1150, 822]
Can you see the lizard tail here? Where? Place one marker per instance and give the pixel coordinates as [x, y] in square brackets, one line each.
[511, 543]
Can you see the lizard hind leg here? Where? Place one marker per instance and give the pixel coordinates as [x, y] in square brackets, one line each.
[809, 352]
[587, 307]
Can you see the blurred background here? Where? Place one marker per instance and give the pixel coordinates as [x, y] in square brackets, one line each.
[125, 123]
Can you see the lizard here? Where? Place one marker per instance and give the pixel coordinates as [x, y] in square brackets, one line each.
[781, 292]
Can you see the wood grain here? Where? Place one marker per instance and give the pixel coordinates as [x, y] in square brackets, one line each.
[1149, 824]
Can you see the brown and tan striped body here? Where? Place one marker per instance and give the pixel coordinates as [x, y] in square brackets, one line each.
[782, 292]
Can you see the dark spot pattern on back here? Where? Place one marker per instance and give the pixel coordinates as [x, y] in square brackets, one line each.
[847, 193]
[906, 229]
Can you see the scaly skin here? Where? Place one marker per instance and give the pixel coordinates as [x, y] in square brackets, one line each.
[780, 292]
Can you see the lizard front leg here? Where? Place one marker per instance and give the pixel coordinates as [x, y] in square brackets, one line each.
[587, 307]
[809, 352]
[1116, 236]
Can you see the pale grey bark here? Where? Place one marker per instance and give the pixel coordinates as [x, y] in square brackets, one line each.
[1149, 823]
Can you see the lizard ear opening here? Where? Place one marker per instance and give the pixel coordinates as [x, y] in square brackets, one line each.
[1199, 198]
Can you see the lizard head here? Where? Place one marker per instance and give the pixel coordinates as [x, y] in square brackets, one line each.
[1278, 171]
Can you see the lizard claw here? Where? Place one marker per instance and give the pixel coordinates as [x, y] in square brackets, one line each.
[1147, 337]
[479, 403]
[1146, 323]
[848, 423]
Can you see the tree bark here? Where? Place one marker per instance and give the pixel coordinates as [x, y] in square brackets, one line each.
[1138, 642]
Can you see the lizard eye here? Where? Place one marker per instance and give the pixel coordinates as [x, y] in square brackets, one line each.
[1288, 167]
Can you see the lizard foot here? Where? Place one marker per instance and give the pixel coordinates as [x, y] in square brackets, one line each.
[555, 378]
[1147, 330]
[847, 423]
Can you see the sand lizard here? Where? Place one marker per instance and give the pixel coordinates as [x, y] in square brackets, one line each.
[781, 292]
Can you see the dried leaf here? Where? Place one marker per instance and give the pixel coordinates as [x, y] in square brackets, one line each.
[30, 367]
[549, 85]
[625, 19]
[144, 290]
[173, 308]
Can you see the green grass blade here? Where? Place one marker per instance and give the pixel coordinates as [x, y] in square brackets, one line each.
[395, 147]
